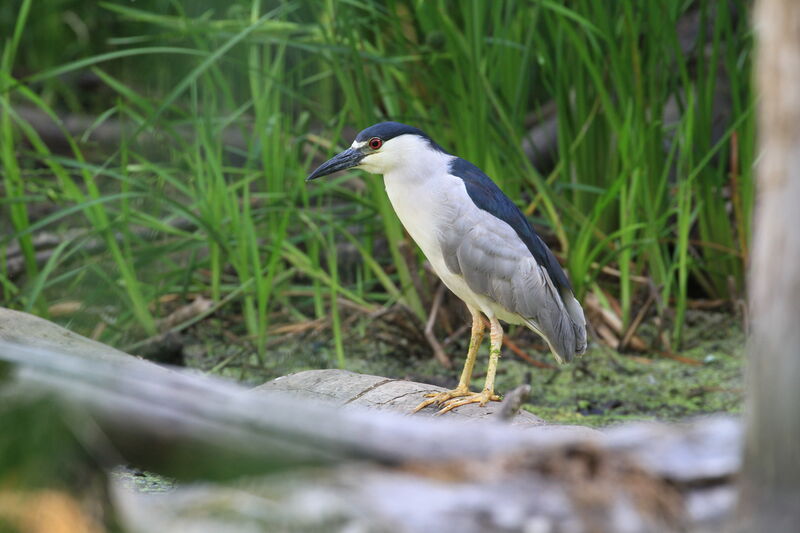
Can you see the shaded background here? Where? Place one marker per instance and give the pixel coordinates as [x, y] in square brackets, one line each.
[153, 156]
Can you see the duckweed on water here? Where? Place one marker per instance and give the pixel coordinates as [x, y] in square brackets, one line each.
[601, 388]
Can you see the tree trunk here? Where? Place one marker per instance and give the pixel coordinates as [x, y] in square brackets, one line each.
[770, 497]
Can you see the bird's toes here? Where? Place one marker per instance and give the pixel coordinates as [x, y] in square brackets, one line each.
[490, 398]
[424, 404]
[448, 407]
[441, 398]
[481, 398]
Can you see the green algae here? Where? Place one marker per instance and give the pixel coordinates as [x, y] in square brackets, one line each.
[603, 387]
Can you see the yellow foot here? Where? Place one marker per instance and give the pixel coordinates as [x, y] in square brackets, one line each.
[449, 399]
[481, 398]
[439, 398]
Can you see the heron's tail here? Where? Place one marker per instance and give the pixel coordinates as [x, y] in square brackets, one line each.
[575, 312]
[563, 326]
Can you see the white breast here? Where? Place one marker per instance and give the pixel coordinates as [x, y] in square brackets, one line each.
[422, 210]
[427, 207]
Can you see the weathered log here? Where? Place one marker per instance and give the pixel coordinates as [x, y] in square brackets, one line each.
[132, 396]
[109, 133]
[378, 470]
[348, 388]
[45, 243]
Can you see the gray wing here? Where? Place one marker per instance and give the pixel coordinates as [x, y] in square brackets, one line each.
[495, 263]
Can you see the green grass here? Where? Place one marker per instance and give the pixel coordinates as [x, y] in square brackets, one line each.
[177, 209]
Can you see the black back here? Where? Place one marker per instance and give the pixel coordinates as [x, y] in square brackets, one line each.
[488, 196]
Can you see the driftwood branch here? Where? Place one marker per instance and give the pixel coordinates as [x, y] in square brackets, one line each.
[376, 470]
[344, 388]
[45, 244]
[109, 133]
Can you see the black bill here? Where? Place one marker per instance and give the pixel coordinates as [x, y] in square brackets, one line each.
[347, 159]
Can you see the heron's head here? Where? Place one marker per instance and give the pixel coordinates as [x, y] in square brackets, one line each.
[380, 149]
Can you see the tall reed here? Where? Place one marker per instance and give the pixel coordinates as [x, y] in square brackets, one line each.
[223, 108]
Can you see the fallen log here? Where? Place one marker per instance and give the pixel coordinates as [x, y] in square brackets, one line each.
[137, 401]
[345, 388]
[373, 469]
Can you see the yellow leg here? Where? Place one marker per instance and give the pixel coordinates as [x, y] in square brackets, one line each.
[475, 340]
[496, 344]
[487, 395]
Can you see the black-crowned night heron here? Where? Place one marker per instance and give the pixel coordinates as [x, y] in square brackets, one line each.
[477, 241]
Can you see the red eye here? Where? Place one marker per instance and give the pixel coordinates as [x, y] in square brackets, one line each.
[375, 143]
